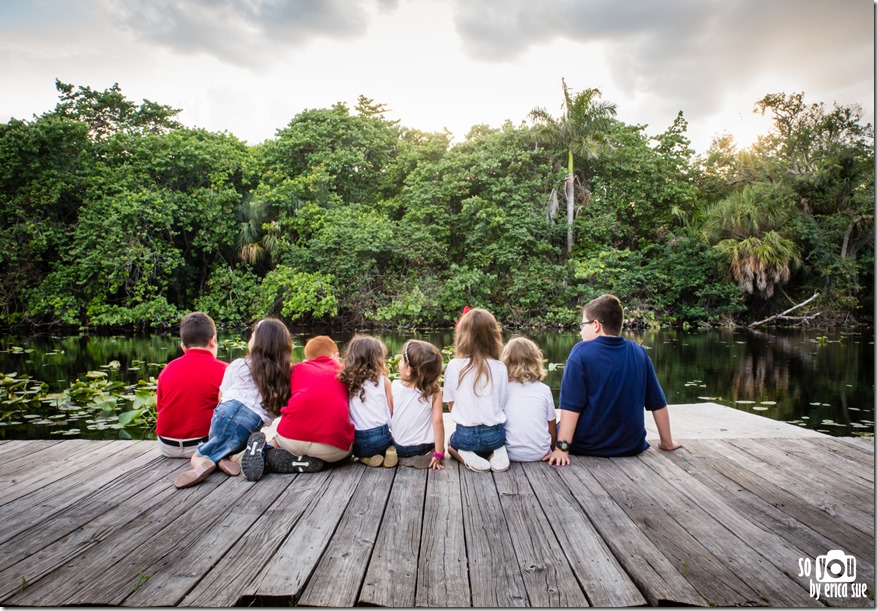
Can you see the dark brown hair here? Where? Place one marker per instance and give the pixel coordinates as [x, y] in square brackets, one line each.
[478, 338]
[425, 362]
[270, 362]
[364, 359]
[608, 310]
[196, 330]
[524, 360]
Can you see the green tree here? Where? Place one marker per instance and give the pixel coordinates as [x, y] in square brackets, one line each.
[579, 130]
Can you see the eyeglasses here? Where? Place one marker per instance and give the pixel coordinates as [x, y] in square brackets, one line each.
[588, 322]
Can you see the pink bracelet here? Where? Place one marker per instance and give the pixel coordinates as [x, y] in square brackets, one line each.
[439, 455]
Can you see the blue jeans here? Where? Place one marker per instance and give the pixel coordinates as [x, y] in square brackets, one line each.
[480, 439]
[418, 450]
[372, 441]
[230, 427]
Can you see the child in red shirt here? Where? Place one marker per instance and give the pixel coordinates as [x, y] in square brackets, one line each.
[188, 389]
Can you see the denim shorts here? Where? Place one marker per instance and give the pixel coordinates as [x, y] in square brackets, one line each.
[418, 450]
[481, 439]
[230, 427]
[372, 441]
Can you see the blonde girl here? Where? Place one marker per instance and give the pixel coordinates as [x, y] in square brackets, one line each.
[530, 408]
[416, 424]
[253, 390]
[475, 389]
[369, 399]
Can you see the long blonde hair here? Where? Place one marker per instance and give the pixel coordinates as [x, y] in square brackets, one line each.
[478, 337]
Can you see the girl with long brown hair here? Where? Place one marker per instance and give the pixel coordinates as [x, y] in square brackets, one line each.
[475, 389]
[253, 390]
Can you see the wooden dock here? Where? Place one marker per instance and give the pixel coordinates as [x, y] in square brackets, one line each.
[723, 522]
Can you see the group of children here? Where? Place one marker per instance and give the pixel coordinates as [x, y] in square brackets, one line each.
[331, 407]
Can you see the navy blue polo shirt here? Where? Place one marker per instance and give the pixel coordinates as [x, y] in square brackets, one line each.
[608, 381]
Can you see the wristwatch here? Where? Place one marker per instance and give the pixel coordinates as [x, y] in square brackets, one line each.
[564, 446]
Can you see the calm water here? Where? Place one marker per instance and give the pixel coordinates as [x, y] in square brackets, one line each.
[815, 379]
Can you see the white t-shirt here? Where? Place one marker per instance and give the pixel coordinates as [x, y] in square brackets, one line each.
[373, 411]
[529, 409]
[412, 421]
[238, 385]
[482, 405]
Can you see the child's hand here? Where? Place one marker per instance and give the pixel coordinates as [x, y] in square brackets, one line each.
[436, 463]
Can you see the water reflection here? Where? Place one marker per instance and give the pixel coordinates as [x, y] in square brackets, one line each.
[814, 379]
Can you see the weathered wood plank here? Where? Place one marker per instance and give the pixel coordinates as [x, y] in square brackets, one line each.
[766, 509]
[288, 571]
[862, 462]
[766, 543]
[443, 577]
[603, 580]
[866, 444]
[826, 497]
[714, 581]
[58, 466]
[175, 574]
[495, 579]
[548, 578]
[771, 585]
[28, 533]
[15, 448]
[831, 464]
[646, 565]
[107, 573]
[25, 461]
[756, 477]
[392, 576]
[225, 583]
[40, 550]
[40, 505]
[339, 574]
[853, 492]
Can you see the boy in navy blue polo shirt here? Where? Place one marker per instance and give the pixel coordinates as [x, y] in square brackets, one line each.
[607, 383]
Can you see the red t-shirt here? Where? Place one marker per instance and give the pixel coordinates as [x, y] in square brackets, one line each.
[318, 407]
[187, 393]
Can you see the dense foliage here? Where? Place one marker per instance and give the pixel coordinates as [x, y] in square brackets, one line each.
[113, 213]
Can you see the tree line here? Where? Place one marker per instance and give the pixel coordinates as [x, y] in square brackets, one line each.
[114, 214]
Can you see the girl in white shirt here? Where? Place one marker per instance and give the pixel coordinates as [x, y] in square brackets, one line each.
[253, 390]
[370, 400]
[530, 408]
[416, 425]
[475, 390]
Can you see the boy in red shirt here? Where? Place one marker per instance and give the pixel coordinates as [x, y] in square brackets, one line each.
[188, 389]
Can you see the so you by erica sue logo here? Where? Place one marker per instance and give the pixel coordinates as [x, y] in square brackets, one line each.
[834, 574]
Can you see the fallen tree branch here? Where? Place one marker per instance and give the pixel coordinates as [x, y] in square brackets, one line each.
[783, 315]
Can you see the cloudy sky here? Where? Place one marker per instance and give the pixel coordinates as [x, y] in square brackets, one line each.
[249, 66]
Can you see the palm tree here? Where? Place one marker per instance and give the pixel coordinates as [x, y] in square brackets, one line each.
[581, 130]
[745, 227]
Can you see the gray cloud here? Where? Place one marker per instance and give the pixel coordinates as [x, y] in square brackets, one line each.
[688, 51]
[243, 32]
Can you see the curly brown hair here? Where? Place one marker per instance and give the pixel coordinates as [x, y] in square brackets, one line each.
[364, 360]
[425, 362]
[270, 355]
